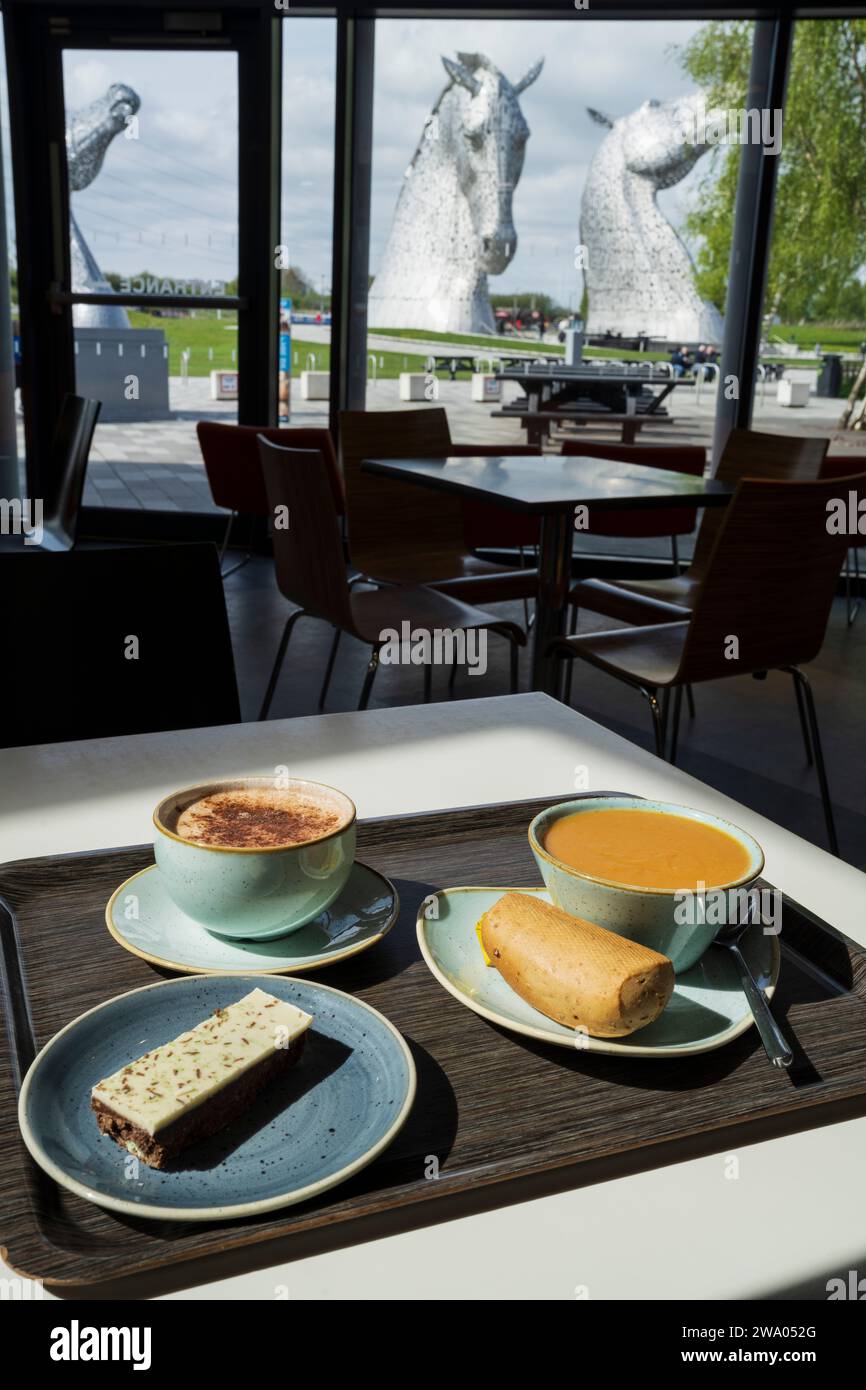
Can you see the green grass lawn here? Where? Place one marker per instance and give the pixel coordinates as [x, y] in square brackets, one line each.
[211, 341]
[500, 343]
[828, 336]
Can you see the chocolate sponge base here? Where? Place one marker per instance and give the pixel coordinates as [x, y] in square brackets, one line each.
[201, 1121]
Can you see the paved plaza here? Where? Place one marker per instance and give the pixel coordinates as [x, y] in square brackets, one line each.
[156, 466]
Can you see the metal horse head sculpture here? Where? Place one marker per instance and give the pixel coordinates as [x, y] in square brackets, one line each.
[454, 221]
[639, 276]
[89, 132]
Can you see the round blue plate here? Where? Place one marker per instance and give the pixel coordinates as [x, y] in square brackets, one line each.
[143, 919]
[327, 1118]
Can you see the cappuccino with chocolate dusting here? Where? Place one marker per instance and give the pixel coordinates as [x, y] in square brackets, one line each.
[258, 818]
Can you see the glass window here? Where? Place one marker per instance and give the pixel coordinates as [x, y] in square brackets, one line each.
[152, 152]
[11, 426]
[813, 347]
[306, 221]
[530, 179]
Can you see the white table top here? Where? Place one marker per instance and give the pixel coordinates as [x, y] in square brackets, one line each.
[65, 797]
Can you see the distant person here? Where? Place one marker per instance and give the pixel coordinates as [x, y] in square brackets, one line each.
[701, 354]
[711, 354]
[681, 361]
[500, 325]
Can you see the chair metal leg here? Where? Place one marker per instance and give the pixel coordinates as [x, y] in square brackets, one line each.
[675, 555]
[852, 592]
[806, 689]
[228, 531]
[804, 725]
[338, 632]
[515, 668]
[658, 726]
[525, 601]
[233, 569]
[281, 652]
[666, 706]
[675, 723]
[574, 618]
[372, 668]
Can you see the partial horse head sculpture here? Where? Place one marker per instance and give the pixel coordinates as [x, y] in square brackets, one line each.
[89, 132]
[640, 278]
[454, 221]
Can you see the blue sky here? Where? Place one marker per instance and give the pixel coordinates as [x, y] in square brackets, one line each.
[168, 201]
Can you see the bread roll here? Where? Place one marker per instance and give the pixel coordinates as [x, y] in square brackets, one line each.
[574, 971]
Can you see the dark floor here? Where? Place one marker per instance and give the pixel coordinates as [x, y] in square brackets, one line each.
[745, 739]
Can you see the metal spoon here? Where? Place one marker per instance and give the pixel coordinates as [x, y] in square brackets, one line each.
[772, 1037]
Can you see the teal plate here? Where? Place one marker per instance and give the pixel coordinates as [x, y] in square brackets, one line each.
[143, 919]
[323, 1121]
[707, 1008]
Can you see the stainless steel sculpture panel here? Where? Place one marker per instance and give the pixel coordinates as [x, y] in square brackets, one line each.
[89, 132]
[640, 279]
[453, 224]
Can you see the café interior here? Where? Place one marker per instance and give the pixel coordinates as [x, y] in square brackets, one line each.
[437, 570]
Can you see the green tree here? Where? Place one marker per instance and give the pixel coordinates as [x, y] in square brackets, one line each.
[819, 235]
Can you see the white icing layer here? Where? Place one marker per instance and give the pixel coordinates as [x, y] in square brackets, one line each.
[159, 1087]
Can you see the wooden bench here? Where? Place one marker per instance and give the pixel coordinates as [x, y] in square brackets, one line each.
[538, 423]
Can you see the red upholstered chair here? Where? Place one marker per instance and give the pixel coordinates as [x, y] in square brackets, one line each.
[840, 466]
[234, 469]
[676, 458]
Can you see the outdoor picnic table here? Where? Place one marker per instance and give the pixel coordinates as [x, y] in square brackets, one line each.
[550, 387]
[453, 362]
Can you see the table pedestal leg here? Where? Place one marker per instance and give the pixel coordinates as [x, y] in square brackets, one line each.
[554, 582]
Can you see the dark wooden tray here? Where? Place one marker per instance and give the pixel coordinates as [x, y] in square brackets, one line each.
[506, 1118]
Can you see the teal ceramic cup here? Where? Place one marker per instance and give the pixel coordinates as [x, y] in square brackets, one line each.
[681, 925]
[255, 894]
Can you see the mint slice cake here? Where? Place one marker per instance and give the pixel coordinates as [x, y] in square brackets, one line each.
[188, 1089]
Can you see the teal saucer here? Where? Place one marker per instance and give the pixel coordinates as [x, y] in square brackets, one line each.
[707, 1009]
[142, 917]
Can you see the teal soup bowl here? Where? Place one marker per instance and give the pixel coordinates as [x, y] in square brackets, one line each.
[680, 924]
[256, 893]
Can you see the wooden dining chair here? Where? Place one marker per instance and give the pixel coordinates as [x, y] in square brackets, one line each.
[486, 527]
[234, 470]
[672, 522]
[70, 451]
[400, 533]
[747, 453]
[115, 641]
[840, 467]
[764, 603]
[311, 572]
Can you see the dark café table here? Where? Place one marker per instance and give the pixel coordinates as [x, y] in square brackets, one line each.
[551, 488]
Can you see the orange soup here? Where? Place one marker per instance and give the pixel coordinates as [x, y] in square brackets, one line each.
[647, 849]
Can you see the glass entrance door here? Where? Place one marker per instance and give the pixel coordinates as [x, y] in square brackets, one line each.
[152, 169]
